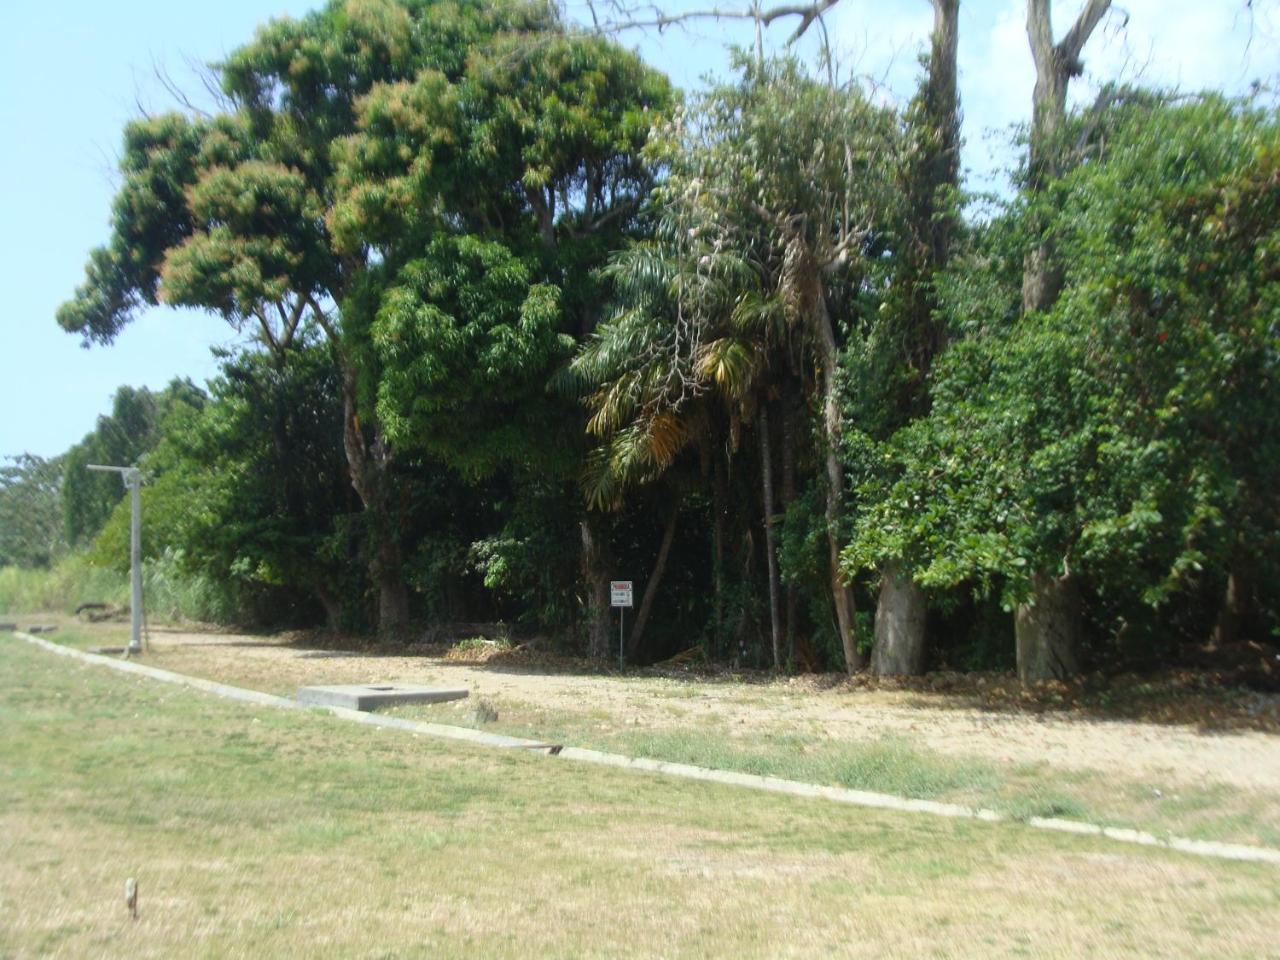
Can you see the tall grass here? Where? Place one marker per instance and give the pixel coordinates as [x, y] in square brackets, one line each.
[170, 593]
[71, 581]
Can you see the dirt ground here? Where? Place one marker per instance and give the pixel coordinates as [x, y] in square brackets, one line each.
[1068, 740]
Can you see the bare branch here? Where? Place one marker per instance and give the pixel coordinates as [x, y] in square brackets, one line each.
[174, 90]
[208, 76]
[648, 16]
[1073, 43]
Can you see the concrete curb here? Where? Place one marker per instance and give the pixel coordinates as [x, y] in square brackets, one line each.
[751, 781]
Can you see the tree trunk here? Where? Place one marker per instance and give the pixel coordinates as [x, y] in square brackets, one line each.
[901, 612]
[932, 176]
[788, 497]
[368, 464]
[1047, 632]
[1227, 625]
[1055, 64]
[931, 173]
[1048, 629]
[719, 507]
[841, 594]
[595, 578]
[771, 558]
[333, 611]
[1237, 604]
[393, 592]
[655, 579]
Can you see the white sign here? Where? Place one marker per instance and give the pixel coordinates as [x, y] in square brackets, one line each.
[620, 593]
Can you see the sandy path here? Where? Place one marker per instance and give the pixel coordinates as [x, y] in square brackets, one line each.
[1136, 751]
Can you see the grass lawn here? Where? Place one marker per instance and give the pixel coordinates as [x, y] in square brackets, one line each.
[896, 766]
[261, 833]
[801, 750]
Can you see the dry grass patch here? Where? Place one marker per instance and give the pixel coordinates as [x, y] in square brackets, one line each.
[259, 833]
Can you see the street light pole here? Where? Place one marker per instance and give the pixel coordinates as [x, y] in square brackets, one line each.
[132, 478]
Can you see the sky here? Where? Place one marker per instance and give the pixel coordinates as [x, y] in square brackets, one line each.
[73, 72]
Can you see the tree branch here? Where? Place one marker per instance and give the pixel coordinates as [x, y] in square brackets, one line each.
[1040, 33]
[268, 335]
[1073, 43]
[632, 18]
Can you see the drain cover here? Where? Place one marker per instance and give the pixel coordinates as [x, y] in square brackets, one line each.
[370, 696]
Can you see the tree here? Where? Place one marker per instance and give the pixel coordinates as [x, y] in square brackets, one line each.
[774, 192]
[250, 490]
[120, 438]
[268, 212]
[889, 367]
[511, 189]
[30, 511]
[1046, 638]
[1121, 434]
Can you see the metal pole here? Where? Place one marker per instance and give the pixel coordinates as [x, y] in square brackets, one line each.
[622, 616]
[134, 479]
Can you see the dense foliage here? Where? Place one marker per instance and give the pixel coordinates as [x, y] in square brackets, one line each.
[31, 511]
[526, 322]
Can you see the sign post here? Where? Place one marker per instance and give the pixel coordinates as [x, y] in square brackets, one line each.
[132, 478]
[620, 597]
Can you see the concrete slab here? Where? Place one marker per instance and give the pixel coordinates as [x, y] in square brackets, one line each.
[371, 696]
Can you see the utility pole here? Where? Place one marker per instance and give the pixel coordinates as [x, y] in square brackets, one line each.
[132, 478]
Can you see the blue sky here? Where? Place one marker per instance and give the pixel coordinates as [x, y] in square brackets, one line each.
[72, 72]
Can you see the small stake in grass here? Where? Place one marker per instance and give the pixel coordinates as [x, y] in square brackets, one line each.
[131, 897]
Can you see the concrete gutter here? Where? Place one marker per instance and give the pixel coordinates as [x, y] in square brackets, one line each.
[795, 788]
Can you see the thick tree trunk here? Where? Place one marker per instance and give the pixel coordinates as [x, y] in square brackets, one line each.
[901, 612]
[655, 580]
[841, 594]
[393, 592]
[368, 464]
[771, 557]
[930, 174]
[595, 579]
[939, 170]
[1048, 629]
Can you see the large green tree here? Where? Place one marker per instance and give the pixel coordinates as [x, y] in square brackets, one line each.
[351, 137]
[1123, 437]
[489, 205]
